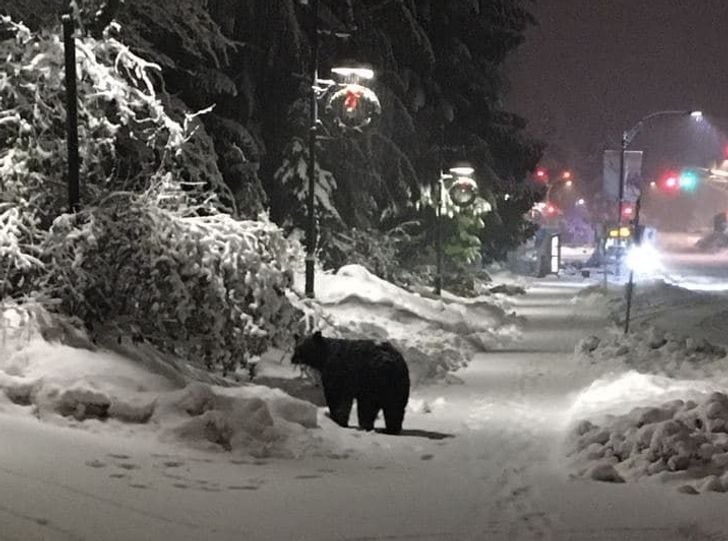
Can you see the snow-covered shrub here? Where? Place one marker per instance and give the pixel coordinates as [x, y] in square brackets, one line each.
[20, 238]
[127, 136]
[209, 289]
[377, 251]
[128, 140]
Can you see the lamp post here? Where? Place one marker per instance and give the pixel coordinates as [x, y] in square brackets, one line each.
[627, 138]
[462, 192]
[354, 107]
[69, 51]
[313, 127]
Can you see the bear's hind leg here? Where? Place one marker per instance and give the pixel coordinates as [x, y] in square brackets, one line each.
[393, 419]
[367, 409]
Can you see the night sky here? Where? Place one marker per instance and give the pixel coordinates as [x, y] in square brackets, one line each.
[593, 68]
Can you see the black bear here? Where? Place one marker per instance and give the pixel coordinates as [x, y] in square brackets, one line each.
[375, 374]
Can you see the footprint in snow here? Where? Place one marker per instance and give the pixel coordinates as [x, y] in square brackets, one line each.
[127, 466]
[119, 456]
[95, 463]
[243, 487]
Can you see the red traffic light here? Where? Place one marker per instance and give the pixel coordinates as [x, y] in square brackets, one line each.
[628, 211]
[670, 182]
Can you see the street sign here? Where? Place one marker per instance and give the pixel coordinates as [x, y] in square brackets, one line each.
[632, 174]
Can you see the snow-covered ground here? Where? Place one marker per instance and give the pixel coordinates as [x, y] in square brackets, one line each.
[494, 451]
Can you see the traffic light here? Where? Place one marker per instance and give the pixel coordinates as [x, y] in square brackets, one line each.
[541, 175]
[627, 211]
[689, 180]
[670, 182]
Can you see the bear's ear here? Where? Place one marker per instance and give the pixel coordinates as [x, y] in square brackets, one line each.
[317, 335]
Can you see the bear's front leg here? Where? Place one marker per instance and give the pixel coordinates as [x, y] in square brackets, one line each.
[340, 411]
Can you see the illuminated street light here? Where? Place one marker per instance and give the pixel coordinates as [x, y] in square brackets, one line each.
[463, 191]
[671, 182]
[354, 73]
[353, 106]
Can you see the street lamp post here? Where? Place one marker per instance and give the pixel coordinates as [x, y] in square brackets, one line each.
[354, 107]
[462, 192]
[312, 131]
[69, 51]
[627, 138]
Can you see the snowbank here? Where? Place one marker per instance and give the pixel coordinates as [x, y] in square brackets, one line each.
[656, 408]
[435, 336]
[653, 351]
[683, 440]
[100, 390]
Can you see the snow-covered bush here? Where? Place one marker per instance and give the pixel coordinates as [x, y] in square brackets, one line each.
[128, 140]
[20, 238]
[209, 289]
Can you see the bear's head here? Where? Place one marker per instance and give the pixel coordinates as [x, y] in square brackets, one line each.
[311, 351]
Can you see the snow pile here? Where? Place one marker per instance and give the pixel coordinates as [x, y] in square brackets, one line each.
[653, 297]
[590, 295]
[684, 436]
[652, 351]
[101, 390]
[435, 336]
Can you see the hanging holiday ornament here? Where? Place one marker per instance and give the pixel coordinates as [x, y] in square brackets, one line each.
[354, 106]
[463, 191]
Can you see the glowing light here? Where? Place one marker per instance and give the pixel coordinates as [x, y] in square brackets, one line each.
[653, 184]
[358, 73]
[623, 232]
[689, 181]
[462, 171]
[627, 211]
[566, 175]
[580, 202]
[644, 260]
[697, 115]
[569, 183]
